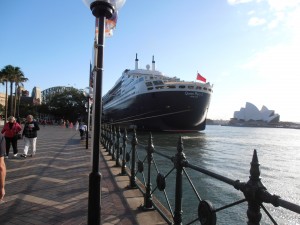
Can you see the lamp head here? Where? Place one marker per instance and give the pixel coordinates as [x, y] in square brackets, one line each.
[88, 92]
[104, 7]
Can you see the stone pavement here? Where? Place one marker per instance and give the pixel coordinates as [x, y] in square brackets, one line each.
[52, 186]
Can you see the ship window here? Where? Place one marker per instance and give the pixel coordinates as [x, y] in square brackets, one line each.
[198, 88]
[149, 84]
[171, 86]
[181, 86]
[209, 89]
[190, 87]
[150, 88]
[205, 88]
[158, 82]
[159, 87]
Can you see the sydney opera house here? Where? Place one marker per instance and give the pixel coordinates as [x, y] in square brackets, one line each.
[251, 114]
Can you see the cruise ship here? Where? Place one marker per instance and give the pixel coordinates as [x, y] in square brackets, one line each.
[146, 99]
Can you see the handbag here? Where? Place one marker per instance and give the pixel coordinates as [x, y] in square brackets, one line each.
[19, 136]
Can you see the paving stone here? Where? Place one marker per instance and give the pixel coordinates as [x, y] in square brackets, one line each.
[52, 187]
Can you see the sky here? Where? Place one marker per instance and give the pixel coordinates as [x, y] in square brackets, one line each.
[248, 49]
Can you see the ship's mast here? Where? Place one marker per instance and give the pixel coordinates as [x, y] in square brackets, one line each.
[136, 62]
[153, 63]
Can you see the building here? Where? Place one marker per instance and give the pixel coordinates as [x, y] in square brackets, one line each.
[2, 99]
[250, 113]
[36, 95]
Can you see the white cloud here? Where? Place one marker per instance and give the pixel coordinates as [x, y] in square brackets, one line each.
[235, 2]
[293, 22]
[252, 12]
[276, 70]
[280, 5]
[255, 21]
[276, 13]
[279, 17]
[277, 60]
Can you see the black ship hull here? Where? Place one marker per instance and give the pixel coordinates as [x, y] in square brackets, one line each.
[161, 111]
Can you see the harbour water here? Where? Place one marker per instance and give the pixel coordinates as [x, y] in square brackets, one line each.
[228, 151]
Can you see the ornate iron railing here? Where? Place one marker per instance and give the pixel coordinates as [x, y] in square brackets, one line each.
[254, 192]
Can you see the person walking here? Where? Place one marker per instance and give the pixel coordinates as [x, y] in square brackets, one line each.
[67, 124]
[76, 125]
[30, 132]
[2, 168]
[10, 131]
[82, 130]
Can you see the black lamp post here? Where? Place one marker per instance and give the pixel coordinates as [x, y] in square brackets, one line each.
[87, 93]
[102, 10]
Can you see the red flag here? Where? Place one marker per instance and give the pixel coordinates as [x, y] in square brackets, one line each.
[199, 77]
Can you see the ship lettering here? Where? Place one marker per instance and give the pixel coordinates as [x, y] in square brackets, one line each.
[193, 94]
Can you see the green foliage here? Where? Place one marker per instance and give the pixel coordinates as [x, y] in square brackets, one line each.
[26, 109]
[68, 105]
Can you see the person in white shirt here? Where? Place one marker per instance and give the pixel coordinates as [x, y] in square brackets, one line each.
[82, 130]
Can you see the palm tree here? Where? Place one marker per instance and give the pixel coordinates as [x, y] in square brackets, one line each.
[18, 82]
[13, 75]
[3, 78]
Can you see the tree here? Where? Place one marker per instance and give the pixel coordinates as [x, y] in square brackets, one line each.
[13, 75]
[4, 79]
[68, 105]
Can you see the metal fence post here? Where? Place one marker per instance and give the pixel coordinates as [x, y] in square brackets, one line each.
[123, 169]
[118, 147]
[114, 143]
[101, 135]
[148, 204]
[253, 186]
[107, 138]
[134, 143]
[110, 140]
[179, 162]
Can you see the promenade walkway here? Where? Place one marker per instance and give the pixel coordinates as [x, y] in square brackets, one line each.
[52, 187]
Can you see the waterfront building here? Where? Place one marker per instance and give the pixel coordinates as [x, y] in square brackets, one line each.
[250, 113]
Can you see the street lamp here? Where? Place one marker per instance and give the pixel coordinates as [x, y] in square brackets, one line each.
[102, 10]
[87, 93]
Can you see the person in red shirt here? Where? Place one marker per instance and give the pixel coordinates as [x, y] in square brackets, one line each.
[2, 169]
[10, 131]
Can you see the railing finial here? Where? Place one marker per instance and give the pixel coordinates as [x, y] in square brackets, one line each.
[254, 169]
